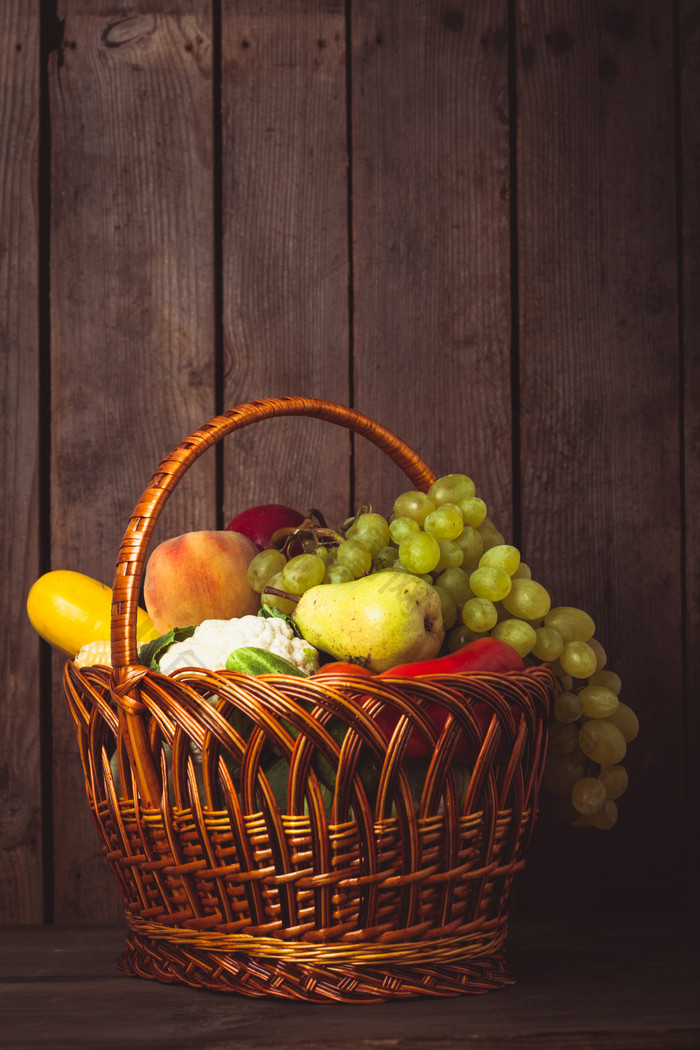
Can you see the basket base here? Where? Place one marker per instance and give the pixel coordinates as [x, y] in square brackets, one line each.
[236, 972]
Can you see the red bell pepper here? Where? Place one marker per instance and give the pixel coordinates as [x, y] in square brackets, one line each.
[484, 654]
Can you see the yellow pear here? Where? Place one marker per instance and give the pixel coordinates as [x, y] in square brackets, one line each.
[381, 620]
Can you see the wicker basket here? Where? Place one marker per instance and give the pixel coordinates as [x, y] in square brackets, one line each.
[378, 891]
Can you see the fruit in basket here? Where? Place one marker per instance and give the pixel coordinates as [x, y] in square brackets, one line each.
[70, 610]
[260, 523]
[378, 620]
[486, 591]
[199, 576]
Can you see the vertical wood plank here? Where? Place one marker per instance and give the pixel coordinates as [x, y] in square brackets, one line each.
[21, 885]
[599, 410]
[431, 239]
[285, 247]
[132, 369]
[689, 83]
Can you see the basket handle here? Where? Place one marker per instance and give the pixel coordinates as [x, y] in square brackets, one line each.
[134, 546]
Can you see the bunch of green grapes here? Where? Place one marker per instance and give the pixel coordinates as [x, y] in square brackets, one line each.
[445, 537]
[486, 589]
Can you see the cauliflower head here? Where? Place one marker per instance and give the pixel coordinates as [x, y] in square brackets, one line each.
[213, 642]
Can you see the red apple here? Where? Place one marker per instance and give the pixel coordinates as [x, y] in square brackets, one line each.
[260, 523]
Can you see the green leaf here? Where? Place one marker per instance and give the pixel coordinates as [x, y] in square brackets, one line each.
[150, 653]
[268, 612]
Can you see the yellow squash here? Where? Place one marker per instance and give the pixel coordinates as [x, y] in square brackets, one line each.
[68, 610]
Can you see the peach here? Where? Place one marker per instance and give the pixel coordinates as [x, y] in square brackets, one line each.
[199, 576]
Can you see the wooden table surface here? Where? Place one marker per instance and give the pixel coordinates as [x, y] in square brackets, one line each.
[634, 985]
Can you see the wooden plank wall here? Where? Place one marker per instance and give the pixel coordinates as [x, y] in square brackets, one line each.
[477, 222]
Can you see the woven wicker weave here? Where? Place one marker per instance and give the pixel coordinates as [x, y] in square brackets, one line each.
[378, 890]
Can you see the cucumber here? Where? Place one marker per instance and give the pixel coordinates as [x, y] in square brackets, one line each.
[251, 660]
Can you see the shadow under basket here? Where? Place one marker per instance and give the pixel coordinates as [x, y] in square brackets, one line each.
[268, 838]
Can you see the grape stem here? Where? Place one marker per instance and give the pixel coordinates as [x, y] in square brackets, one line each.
[310, 534]
[281, 594]
[364, 509]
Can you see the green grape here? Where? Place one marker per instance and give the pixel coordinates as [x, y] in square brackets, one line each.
[398, 566]
[385, 557]
[419, 552]
[451, 488]
[608, 679]
[301, 573]
[523, 572]
[577, 659]
[355, 556]
[606, 817]
[451, 556]
[559, 672]
[264, 566]
[413, 505]
[517, 634]
[371, 530]
[561, 772]
[600, 654]
[449, 607]
[549, 644]
[502, 556]
[602, 742]
[588, 796]
[624, 719]
[491, 537]
[445, 523]
[574, 625]
[470, 541]
[473, 510]
[490, 582]
[456, 581]
[526, 598]
[614, 779]
[337, 574]
[400, 528]
[479, 615]
[567, 707]
[283, 605]
[597, 701]
[460, 636]
[563, 738]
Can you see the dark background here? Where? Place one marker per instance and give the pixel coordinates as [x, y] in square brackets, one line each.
[477, 222]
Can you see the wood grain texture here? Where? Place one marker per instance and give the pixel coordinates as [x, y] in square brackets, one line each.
[132, 317]
[20, 710]
[180, 230]
[689, 83]
[285, 248]
[599, 404]
[630, 988]
[430, 207]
